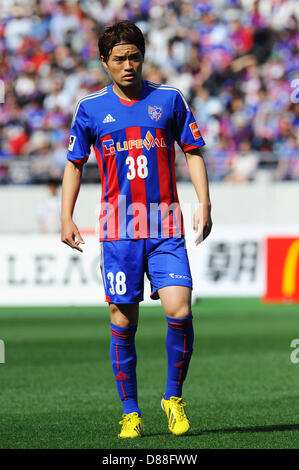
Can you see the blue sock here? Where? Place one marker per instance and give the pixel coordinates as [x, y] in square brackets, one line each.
[179, 345]
[124, 360]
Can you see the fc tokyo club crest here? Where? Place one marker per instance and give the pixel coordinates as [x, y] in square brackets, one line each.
[155, 112]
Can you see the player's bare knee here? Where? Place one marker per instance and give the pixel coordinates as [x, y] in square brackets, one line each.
[122, 317]
[182, 311]
[122, 322]
[117, 318]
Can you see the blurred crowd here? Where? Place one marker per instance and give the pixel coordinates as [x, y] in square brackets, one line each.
[236, 61]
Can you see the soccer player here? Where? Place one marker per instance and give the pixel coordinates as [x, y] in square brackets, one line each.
[132, 125]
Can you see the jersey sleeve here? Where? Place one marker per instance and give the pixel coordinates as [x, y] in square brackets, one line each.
[186, 129]
[80, 137]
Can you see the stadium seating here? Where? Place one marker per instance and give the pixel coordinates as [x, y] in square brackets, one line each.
[235, 60]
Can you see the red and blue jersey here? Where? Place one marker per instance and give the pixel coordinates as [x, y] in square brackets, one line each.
[134, 146]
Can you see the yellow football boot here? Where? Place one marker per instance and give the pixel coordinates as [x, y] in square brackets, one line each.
[178, 422]
[132, 425]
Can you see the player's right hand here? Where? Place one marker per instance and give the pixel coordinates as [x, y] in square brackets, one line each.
[71, 236]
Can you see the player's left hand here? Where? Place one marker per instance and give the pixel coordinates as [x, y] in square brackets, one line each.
[202, 222]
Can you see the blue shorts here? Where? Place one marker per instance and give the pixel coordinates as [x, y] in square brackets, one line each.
[124, 262]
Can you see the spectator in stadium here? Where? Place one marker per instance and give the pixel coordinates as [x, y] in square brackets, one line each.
[49, 210]
[132, 125]
[244, 164]
[48, 57]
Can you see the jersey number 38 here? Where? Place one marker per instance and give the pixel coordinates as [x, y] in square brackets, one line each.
[141, 163]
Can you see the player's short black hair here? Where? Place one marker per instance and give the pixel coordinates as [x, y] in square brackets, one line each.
[121, 32]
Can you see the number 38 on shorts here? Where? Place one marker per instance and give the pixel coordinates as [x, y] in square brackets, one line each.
[124, 264]
[117, 283]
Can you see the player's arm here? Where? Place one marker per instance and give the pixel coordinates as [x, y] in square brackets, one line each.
[202, 222]
[70, 190]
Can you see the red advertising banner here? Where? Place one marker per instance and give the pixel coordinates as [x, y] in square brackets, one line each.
[282, 270]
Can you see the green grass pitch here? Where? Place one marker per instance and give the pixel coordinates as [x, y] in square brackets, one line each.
[58, 390]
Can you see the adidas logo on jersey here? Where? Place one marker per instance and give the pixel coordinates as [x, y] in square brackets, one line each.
[109, 118]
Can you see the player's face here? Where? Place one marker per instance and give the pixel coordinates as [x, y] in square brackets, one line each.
[125, 65]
